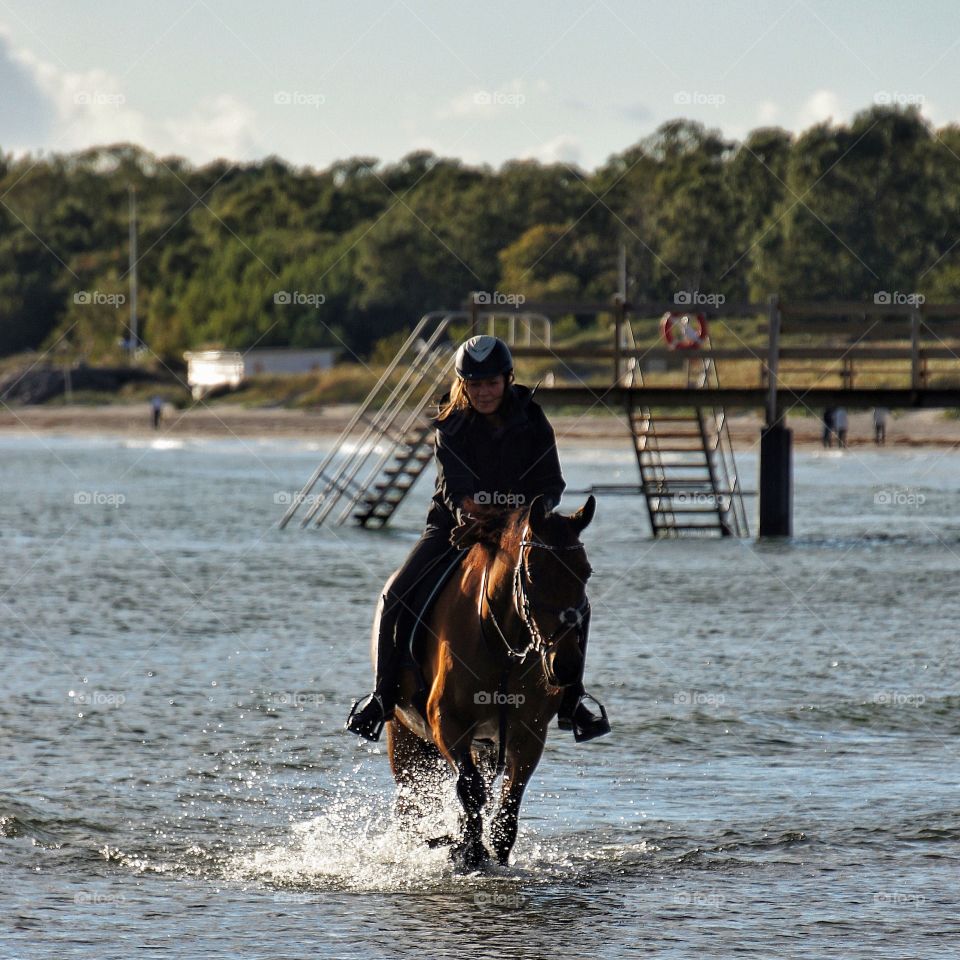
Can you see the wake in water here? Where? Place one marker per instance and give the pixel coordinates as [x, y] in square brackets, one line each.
[358, 844]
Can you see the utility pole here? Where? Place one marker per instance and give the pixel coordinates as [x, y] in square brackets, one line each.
[134, 332]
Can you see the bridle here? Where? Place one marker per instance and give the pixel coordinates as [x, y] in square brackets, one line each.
[568, 617]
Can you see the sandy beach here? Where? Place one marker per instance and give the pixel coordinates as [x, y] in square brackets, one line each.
[911, 428]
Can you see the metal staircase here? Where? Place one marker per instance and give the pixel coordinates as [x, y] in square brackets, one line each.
[388, 442]
[687, 468]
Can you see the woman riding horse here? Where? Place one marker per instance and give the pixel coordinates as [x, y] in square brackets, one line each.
[495, 449]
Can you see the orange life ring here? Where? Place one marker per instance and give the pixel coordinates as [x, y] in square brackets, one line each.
[684, 330]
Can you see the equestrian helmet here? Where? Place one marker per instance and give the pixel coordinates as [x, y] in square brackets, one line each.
[482, 357]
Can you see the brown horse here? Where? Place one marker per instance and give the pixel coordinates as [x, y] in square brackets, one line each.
[502, 641]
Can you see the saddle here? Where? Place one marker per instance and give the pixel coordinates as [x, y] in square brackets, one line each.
[411, 626]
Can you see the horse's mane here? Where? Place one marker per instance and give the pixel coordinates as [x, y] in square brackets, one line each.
[501, 531]
[495, 531]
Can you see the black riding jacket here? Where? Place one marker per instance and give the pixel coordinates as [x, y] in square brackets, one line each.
[506, 466]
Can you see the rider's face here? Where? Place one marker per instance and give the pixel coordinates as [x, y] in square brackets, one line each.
[485, 395]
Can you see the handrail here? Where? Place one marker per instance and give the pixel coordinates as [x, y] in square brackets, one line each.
[376, 427]
[361, 410]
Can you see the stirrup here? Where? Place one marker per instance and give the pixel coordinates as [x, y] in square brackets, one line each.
[363, 722]
[587, 727]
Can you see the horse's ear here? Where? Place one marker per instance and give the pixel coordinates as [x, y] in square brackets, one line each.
[538, 513]
[581, 519]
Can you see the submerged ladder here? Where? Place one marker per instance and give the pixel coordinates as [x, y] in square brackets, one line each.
[388, 442]
[688, 473]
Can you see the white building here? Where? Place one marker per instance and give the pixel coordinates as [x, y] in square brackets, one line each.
[209, 369]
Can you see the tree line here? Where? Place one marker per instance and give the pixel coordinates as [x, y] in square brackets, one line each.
[265, 253]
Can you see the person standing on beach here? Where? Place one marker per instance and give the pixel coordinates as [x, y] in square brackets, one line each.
[828, 425]
[156, 407]
[841, 424]
[880, 415]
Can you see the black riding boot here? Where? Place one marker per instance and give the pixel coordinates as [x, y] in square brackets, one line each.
[369, 714]
[574, 714]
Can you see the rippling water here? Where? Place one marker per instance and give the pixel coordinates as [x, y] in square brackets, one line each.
[782, 781]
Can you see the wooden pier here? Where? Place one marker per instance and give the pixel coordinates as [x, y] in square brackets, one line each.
[897, 352]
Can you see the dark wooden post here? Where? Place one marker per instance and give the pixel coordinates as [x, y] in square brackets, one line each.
[776, 441]
[619, 310]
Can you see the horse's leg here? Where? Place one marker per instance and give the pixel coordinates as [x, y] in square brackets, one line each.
[454, 741]
[417, 768]
[522, 760]
[470, 853]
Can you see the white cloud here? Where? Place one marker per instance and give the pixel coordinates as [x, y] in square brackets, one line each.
[561, 149]
[819, 106]
[768, 112]
[91, 107]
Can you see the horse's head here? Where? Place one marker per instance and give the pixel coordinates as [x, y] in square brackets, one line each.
[550, 587]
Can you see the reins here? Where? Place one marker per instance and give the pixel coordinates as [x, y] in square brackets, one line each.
[569, 617]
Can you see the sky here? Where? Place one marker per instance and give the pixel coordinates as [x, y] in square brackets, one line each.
[317, 82]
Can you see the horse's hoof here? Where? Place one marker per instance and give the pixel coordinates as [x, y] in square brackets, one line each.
[468, 858]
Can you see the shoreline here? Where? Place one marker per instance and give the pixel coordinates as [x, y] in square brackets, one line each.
[910, 429]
